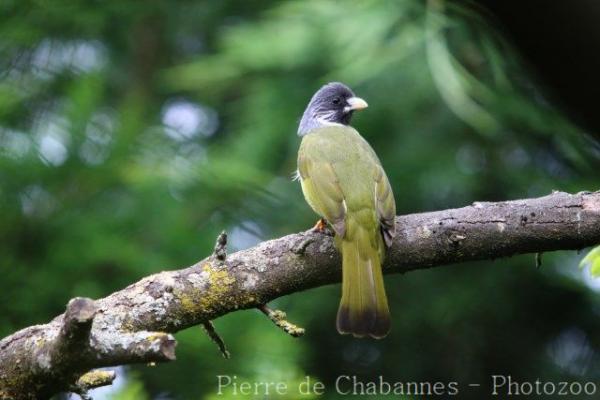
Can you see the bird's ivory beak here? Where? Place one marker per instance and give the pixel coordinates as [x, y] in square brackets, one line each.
[355, 103]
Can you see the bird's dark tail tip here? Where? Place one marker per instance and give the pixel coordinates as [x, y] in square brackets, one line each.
[363, 323]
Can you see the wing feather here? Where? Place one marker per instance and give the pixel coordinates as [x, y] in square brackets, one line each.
[385, 205]
[322, 190]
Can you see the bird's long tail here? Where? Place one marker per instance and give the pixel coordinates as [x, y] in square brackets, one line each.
[363, 309]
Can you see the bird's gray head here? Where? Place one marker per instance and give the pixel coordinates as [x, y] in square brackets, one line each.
[333, 104]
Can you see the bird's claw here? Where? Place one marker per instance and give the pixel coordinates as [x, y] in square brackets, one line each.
[320, 226]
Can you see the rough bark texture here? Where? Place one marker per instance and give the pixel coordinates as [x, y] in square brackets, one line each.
[132, 325]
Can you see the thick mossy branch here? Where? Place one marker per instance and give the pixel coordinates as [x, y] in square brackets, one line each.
[55, 357]
[133, 325]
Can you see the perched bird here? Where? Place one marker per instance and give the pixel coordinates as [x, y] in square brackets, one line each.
[343, 181]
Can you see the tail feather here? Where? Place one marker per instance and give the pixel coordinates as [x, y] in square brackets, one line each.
[363, 309]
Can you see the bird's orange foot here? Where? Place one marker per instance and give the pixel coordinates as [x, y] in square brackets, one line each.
[320, 226]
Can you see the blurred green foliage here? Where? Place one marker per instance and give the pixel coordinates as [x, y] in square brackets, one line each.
[592, 261]
[133, 132]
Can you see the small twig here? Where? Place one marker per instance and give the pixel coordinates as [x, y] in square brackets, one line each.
[278, 318]
[209, 328]
[538, 259]
[74, 333]
[92, 380]
[220, 251]
[78, 319]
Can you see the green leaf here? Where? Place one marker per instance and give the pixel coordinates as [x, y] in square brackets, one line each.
[592, 260]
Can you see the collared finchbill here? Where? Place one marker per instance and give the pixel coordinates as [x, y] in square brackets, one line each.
[344, 182]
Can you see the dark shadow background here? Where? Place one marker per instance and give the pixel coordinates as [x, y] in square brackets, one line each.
[560, 42]
[132, 133]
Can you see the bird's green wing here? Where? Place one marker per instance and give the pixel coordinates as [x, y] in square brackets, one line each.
[384, 197]
[386, 205]
[321, 188]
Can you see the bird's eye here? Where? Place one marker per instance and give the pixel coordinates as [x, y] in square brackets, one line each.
[337, 100]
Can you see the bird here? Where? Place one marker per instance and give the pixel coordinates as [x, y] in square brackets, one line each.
[344, 183]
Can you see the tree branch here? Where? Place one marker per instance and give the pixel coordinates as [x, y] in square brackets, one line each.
[129, 326]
